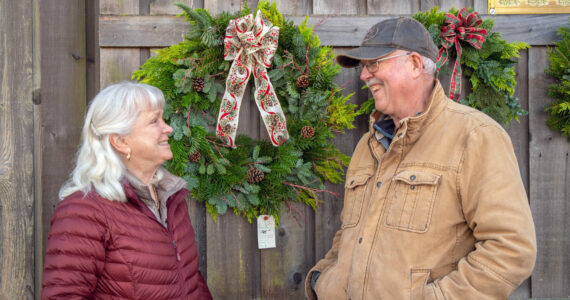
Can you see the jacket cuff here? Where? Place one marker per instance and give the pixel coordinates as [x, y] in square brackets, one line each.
[309, 292]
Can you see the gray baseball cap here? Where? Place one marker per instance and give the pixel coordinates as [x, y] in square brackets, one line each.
[387, 36]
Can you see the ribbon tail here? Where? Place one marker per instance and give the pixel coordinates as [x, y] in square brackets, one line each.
[455, 85]
[272, 115]
[228, 116]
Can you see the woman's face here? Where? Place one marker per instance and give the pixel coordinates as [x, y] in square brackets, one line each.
[148, 141]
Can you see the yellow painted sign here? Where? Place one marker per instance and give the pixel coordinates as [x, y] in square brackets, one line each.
[529, 7]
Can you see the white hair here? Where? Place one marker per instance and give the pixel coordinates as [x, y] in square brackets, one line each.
[113, 111]
[429, 65]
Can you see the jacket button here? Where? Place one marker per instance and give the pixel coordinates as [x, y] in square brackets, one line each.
[413, 177]
[412, 187]
[399, 134]
[379, 184]
[360, 240]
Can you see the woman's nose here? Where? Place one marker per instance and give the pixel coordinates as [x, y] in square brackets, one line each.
[167, 128]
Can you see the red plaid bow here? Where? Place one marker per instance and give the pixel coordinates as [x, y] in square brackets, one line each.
[456, 28]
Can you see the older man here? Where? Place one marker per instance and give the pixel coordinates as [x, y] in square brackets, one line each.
[434, 204]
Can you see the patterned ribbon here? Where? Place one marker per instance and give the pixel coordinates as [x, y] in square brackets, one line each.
[463, 27]
[251, 44]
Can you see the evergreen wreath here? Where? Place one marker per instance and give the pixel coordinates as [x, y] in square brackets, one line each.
[559, 109]
[490, 69]
[255, 177]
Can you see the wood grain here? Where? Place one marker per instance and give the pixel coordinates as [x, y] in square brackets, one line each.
[549, 186]
[17, 24]
[337, 31]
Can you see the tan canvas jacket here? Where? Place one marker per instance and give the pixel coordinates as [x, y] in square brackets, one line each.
[442, 214]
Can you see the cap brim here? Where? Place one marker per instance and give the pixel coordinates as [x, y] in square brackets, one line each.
[353, 57]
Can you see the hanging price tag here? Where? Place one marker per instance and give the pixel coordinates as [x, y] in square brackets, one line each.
[265, 232]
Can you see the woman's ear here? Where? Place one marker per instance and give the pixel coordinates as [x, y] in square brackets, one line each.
[119, 143]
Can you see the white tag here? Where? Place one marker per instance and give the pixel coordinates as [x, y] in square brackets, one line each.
[265, 232]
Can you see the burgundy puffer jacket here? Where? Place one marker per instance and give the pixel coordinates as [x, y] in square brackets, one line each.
[101, 249]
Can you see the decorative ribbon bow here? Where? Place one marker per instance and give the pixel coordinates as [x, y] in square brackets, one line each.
[251, 44]
[463, 27]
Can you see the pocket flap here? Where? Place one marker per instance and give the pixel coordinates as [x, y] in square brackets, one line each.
[417, 177]
[356, 180]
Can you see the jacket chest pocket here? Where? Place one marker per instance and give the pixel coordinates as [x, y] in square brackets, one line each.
[410, 200]
[354, 192]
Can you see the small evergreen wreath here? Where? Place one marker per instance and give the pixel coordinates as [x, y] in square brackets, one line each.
[255, 177]
[490, 69]
[559, 108]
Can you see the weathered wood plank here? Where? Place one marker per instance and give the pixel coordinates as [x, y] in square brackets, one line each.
[123, 7]
[549, 186]
[403, 7]
[17, 24]
[327, 218]
[197, 212]
[457, 4]
[63, 66]
[141, 31]
[167, 7]
[233, 260]
[217, 6]
[518, 131]
[294, 7]
[338, 31]
[338, 7]
[92, 47]
[284, 268]
[118, 64]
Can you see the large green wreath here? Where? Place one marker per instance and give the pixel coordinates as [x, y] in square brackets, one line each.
[255, 178]
[490, 69]
[559, 109]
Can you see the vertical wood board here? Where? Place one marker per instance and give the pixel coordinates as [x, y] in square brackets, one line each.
[122, 7]
[519, 137]
[217, 6]
[167, 7]
[118, 64]
[16, 149]
[403, 7]
[338, 7]
[284, 268]
[294, 7]
[549, 186]
[233, 260]
[64, 77]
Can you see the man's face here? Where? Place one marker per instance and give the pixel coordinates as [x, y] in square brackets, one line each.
[388, 83]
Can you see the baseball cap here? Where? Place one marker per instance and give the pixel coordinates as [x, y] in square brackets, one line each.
[387, 36]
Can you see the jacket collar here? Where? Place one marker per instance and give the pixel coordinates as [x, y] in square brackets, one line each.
[166, 185]
[411, 127]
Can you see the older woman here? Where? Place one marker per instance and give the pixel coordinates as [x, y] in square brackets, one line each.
[122, 230]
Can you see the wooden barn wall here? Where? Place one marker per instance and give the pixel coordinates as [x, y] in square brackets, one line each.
[126, 32]
[19, 80]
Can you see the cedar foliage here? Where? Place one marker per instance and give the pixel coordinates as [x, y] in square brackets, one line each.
[559, 109]
[294, 171]
[490, 70]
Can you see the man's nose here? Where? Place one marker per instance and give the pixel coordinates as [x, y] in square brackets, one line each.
[364, 74]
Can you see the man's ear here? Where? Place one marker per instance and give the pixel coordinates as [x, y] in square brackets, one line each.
[119, 143]
[417, 64]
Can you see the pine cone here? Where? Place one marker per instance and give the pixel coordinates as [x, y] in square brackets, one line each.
[307, 132]
[303, 81]
[198, 84]
[195, 157]
[254, 175]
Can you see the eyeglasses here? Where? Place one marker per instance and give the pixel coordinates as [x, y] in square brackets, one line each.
[373, 67]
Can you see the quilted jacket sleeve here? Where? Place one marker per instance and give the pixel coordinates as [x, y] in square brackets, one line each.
[496, 208]
[75, 252]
